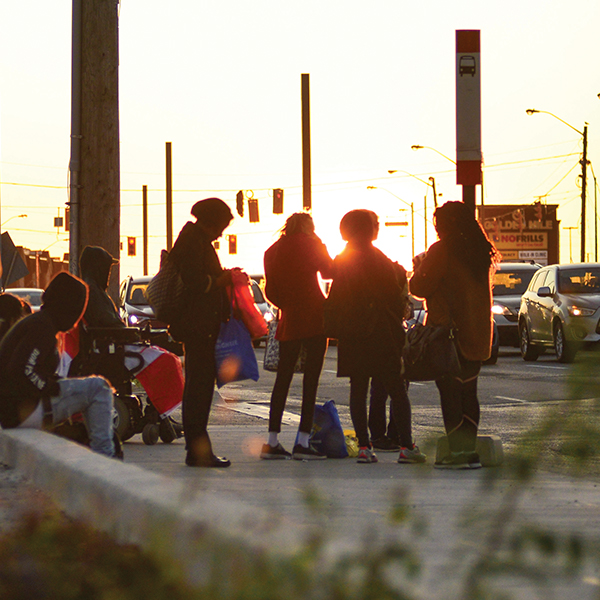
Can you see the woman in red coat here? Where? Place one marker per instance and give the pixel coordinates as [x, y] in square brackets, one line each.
[454, 278]
[291, 267]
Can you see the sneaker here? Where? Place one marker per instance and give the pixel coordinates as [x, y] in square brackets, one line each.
[301, 453]
[459, 460]
[384, 444]
[274, 453]
[366, 455]
[411, 455]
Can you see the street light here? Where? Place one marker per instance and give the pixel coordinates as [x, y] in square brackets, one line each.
[412, 213]
[15, 217]
[418, 147]
[583, 161]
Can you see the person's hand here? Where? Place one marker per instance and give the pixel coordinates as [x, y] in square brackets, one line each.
[224, 279]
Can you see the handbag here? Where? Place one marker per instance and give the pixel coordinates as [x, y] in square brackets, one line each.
[327, 435]
[165, 290]
[271, 359]
[234, 353]
[430, 353]
[241, 296]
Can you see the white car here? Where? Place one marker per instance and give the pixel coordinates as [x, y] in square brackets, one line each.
[33, 296]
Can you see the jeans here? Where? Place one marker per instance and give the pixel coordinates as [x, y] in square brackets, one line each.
[289, 351]
[460, 406]
[394, 384]
[93, 398]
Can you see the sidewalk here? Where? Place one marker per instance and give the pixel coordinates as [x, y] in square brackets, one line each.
[264, 504]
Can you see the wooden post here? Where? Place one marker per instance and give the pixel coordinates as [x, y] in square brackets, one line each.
[145, 226]
[306, 170]
[169, 198]
[99, 200]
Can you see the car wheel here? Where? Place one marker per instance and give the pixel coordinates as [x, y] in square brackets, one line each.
[528, 351]
[565, 351]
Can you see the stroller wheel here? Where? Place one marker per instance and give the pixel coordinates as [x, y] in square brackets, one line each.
[166, 431]
[150, 434]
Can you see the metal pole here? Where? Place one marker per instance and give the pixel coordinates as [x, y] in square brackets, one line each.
[306, 167]
[75, 160]
[583, 185]
[169, 198]
[595, 218]
[425, 217]
[432, 179]
[145, 226]
[412, 223]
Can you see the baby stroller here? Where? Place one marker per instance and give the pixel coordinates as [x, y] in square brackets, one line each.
[103, 351]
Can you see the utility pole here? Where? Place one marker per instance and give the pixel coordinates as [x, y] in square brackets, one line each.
[145, 226]
[583, 186]
[95, 214]
[169, 170]
[306, 168]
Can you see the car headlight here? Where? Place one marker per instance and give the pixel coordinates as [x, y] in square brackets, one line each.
[577, 311]
[500, 309]
[268, 316]
[133, 319]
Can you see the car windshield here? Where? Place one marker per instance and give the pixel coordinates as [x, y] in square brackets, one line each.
[512, 283]
[137, 294]
[579, 281]
[32, 297]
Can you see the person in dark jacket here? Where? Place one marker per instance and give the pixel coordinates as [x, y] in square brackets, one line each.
[31, 394]
[365, 310]
[454, 278]
[292, 265]
[207, 306]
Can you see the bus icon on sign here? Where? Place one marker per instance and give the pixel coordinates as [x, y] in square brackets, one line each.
[467, 66]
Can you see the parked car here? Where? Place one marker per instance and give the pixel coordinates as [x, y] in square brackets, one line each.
[267, 310]
[418, 311]
[560, 310]
[33, 296]
[510, 282]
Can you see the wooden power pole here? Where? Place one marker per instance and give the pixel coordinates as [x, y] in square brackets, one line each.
[97, 214]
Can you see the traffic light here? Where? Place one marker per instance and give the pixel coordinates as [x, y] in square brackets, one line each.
[232, 244]
[239, 201]
[130, 246]
[253, 210]
[277, 201]
[538, 211]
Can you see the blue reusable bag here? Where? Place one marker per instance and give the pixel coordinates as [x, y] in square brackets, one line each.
[234, 353]
[327, 435]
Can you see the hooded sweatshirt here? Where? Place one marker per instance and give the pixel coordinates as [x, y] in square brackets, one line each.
[95, 264]
[28, 353]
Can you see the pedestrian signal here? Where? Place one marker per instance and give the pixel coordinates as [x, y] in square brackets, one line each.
[130, 246]
[239, 201]
[277, 201]
[253, 210]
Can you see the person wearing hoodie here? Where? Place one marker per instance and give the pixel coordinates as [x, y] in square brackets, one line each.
[31, 394]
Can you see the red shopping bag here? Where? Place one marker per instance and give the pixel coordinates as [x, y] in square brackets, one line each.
[244, 307]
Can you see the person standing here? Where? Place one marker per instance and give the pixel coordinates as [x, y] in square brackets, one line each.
[454, 278]
[365, 311]
[292, 265]
[207, 306]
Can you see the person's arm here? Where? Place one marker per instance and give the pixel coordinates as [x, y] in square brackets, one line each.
[35, 365]
[324, 261]
[428, 272]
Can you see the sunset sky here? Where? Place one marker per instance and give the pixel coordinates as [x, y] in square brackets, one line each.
[221, 81]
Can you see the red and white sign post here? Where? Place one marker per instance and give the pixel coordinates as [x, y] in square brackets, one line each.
[468, 113]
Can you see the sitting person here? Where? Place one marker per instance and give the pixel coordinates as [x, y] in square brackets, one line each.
[161, 374]
[31, 394]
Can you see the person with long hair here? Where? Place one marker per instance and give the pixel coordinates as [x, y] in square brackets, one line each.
[292, 265]
[365, 311]
[454, 278]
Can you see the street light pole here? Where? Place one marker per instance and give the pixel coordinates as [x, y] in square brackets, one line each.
[583, 162]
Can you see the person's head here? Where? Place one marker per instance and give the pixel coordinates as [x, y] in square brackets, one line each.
[300, 222]
[212, 216]
[95, 264]
[11, 310]
[359, 226]
[65, 299]
[455, 222]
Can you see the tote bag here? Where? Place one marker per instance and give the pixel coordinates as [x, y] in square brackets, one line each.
[271, 359]
[165, 290]
[234, 353]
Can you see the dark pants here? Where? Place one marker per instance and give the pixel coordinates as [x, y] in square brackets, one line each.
[200, 375]
[394, 384]
[378, 413]
[460, 406]
[289, 351]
